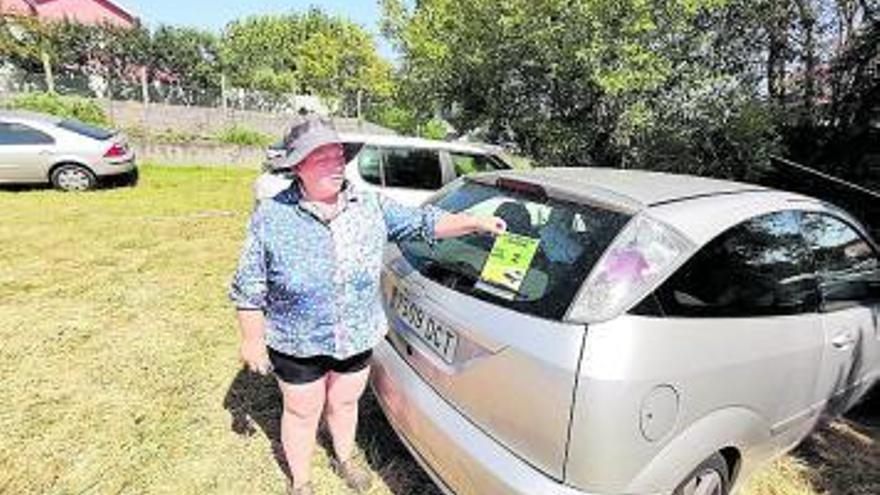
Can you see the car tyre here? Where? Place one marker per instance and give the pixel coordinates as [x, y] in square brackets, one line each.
[712, 477]
[72, 177]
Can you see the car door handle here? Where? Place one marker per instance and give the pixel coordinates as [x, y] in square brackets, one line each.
[45, 152]
[843, 340]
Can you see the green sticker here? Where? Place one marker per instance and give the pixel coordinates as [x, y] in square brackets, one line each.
[509, 261]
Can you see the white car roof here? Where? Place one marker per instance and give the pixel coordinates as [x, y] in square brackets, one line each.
[413, 142]
[698, 207]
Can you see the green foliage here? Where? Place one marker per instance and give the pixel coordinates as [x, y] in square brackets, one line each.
[434, 129]
[62, 106]
[23, 40]
[553, 76]
[309, 53]
[187, 53]
[107, 50]
[244, 136]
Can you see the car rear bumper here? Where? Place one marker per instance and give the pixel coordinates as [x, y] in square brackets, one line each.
[457, 455]
[106, 167]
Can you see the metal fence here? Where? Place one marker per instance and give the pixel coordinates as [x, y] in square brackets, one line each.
[148, 91]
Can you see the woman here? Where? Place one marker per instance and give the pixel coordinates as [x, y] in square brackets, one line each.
[307, 294]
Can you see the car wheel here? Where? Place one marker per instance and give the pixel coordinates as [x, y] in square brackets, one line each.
[712, 477]
[72, 177]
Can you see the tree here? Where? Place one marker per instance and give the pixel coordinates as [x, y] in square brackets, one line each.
[309, 53]
[571, 83]
[188, 55]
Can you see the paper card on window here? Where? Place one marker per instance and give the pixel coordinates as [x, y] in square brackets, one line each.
[509, 260]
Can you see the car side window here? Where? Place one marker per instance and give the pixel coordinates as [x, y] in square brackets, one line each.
[471, 163]
[758, 268]
[412, 168]
[12, 133]
[848, 266]
[370, 165]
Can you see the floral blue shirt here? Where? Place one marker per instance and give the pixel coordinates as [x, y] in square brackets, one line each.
[316, 281]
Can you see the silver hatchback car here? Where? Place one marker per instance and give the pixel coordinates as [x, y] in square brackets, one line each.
[71, 155]
[636, 333]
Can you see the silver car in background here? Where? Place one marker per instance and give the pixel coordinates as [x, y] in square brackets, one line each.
[71, 155]
[642, 333]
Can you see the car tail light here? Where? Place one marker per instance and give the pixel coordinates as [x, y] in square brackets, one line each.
[116, 151]
[644, 254]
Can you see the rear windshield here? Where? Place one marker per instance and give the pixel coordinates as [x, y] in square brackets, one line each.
[538, 268]
[87, 130]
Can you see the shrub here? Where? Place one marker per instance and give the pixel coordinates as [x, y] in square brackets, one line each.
[62, 106]
[434, 129]
[244, 136]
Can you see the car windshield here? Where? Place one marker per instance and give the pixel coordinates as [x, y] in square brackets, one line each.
[537, 268]
[87, 130]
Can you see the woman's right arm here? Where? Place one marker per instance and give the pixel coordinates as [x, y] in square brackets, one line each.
[252, 350]
[248, 292]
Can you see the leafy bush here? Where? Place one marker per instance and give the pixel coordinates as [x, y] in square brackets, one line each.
[244, 136]
[62, 106]
[434, 129]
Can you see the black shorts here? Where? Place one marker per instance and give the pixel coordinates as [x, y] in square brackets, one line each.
[298, 371]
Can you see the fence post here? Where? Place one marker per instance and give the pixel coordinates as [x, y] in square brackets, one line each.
[145, 95]
[223, 92]
[47, 71]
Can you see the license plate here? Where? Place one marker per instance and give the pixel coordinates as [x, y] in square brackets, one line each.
[438, 337]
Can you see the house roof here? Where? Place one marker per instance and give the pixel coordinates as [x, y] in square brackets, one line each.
[110, 5]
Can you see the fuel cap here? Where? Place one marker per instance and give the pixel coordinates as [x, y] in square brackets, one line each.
[659, 413]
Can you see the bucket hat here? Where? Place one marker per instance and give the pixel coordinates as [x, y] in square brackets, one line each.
[304, 138]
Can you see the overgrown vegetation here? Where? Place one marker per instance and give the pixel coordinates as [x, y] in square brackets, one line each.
[62, 106]
[244, 136]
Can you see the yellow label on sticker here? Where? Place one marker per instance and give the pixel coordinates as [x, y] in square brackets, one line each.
[509, 260]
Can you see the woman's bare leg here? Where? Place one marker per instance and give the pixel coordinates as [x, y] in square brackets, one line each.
[299, 425]
[343, 392]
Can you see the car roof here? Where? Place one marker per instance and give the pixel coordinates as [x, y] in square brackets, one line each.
[412, 142]
[24, 115]
[625, 188]
[698, 207]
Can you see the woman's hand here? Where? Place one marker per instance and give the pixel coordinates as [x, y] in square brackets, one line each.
[253, 354]
[491, 225]
[458, 224]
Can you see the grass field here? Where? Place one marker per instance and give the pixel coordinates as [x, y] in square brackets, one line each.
[118, 368]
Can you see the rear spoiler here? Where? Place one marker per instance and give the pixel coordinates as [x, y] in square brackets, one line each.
[861, 201]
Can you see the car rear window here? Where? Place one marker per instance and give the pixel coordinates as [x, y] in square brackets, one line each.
[87, 130]
[538, 268]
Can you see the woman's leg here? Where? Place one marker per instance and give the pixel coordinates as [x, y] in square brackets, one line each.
[343, 392]
[299, 425]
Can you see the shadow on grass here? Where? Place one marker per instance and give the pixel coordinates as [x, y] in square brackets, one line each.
[254, 404]
[844, 456]
[19, 188]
